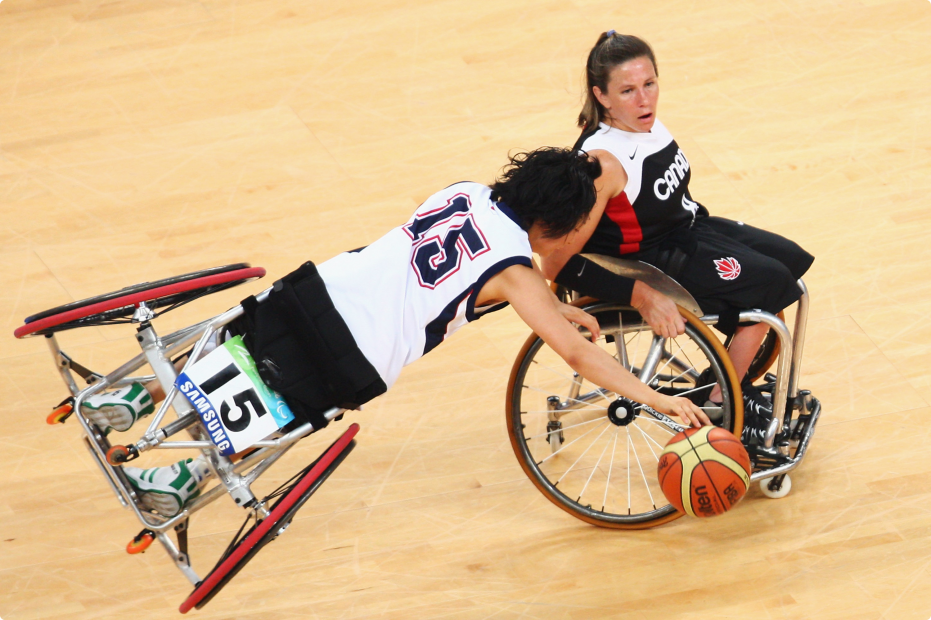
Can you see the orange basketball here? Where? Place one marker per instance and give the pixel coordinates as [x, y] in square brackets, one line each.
[704, 471]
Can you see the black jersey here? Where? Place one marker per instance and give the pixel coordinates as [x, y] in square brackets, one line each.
[655, 201]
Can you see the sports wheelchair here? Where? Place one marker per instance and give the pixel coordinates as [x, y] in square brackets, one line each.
[268, 516]
[595, 454]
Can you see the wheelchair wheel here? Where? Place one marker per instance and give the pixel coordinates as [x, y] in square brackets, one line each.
[601, 468]
[281, 514]
[118, 307]
[767, 354]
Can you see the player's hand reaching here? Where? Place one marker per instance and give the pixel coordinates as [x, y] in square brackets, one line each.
[580, 317]
[683, 408]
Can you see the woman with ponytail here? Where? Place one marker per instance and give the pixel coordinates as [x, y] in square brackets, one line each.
[644, 211]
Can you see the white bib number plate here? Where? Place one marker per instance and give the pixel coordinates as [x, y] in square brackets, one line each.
[236, 407]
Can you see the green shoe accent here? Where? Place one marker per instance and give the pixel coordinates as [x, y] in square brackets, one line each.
[118, 410]
[167, 489]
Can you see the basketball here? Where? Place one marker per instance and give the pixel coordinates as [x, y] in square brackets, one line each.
[704, 471]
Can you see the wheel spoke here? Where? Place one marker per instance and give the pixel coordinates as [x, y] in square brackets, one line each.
[565, 428]
[558, 410]
[571, 442]
[628, 472]
[589, 447]
[599, 391]
[650, 438]
[661, 424]
[595, 468]
[637, 335]
[668, 360]
[604, 502]
[581, 456]
[646, 482]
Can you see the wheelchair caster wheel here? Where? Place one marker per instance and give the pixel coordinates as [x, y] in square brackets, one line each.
[779, 492]
[117, 455]
[141, 542]
[59, 414]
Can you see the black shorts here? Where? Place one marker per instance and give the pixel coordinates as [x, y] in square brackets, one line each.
[734, 266]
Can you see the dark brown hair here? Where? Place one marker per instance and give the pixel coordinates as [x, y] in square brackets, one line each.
[550, 186]
[611, 50]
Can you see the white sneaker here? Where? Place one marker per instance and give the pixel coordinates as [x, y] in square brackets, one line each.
[166, 489]
[118, 410]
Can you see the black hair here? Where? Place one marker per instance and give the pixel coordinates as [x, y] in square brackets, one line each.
[611, 49]
[550, 186]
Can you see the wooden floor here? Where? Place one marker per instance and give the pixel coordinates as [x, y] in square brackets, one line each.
[144, 138]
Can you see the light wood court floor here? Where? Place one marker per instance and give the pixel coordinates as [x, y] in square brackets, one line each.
[141, 138]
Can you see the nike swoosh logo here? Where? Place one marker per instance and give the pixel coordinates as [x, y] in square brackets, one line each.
[634, 154]
[581, 270]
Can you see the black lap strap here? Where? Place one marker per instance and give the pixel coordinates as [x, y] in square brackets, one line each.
[304, 350]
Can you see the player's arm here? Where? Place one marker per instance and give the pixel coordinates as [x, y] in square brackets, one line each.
[528, 293]
[566, 267]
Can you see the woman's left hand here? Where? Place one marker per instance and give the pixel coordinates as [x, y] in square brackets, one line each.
[580, 317]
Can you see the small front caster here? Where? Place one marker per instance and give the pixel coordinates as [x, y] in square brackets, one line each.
[141, 542]
[117, 455]
[61, 412]
[776, 487]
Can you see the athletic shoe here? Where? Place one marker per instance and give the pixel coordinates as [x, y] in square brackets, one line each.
[118, 410]
[758, 416]
[167, 489]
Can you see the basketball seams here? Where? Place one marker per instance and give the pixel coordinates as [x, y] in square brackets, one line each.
[665, 471]
[706, 457]
[685, 484]
[688, 490]
[710, 478]
[718, 457]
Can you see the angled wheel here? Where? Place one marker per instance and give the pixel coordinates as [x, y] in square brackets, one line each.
[118, 306]
[281, 514]
[603, 468]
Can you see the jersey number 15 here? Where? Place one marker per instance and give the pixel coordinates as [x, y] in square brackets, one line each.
[441, 237]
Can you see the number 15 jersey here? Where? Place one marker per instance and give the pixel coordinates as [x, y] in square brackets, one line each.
[404, 294]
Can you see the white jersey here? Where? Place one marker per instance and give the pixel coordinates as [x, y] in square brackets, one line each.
[405, 293]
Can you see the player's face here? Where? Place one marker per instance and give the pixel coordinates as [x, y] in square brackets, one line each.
[633, 91]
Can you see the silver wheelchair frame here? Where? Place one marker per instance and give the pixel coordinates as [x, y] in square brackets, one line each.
[234, 478]
[787, 398]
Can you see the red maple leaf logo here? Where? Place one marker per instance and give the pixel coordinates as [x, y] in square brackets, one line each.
[728, 268]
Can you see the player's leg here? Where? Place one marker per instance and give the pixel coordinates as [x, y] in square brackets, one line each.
[726, 276]
[746, 341]
[786, 251]
[744, 346]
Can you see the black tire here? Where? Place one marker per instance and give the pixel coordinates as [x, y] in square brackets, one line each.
[265, 531]
[561, 429]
